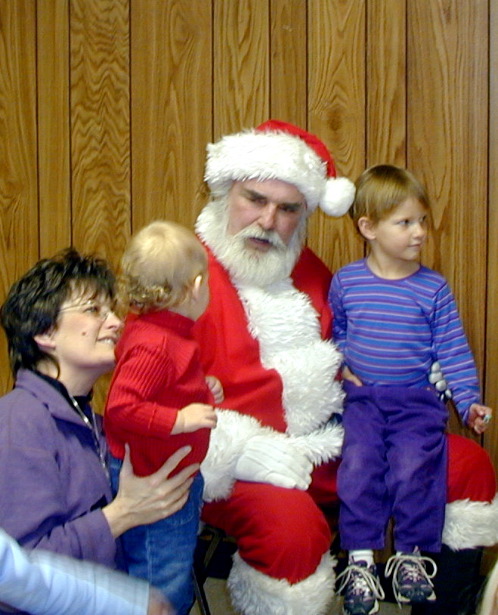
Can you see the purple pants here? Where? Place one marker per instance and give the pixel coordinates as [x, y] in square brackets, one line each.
[394, 464]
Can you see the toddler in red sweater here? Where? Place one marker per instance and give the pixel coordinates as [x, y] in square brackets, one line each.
[159, 399]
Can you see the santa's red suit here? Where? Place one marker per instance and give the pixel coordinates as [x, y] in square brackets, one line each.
[266, 345]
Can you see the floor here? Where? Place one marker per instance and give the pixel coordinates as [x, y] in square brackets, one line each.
[219, 602]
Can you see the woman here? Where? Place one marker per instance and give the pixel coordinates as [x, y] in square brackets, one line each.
[54, 488]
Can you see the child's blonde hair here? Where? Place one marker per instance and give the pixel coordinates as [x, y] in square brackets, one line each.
[159, 267]
[381, 188]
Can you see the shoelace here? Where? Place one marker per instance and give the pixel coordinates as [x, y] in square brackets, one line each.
[413, 568]
[362, 580]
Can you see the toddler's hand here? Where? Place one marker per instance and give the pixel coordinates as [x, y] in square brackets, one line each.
[194, 417]
[479, 417]
[216, 389]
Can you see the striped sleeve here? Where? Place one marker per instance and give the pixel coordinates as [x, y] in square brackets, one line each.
[453, 352]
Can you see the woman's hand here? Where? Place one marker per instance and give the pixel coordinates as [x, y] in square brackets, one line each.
[158, 605]
[144, 500]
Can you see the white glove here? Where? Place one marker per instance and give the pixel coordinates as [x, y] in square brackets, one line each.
[437, 379]
[269, 459]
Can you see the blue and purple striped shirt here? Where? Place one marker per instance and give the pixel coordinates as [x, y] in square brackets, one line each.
[391, 331]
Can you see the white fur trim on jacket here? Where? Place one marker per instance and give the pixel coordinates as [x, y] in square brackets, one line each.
[471, 524]
[322, 445]
[227, 441]
[254, 593]
[294, 348]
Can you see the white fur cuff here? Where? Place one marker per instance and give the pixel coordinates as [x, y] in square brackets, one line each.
[254, 593]
[471, 524]
[227, 442]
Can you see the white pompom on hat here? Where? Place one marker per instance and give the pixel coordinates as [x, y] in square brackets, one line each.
[279, 150]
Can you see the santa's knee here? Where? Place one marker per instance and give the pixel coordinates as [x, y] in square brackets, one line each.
[471, 518]
[289, 545]
[471, 475]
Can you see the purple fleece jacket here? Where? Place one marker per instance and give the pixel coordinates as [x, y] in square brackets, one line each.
[52, 484]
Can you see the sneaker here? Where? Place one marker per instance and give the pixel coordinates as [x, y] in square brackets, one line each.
[362, 589]
[411, 581]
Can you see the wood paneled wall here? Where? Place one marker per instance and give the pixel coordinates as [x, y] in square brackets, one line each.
[106, 107]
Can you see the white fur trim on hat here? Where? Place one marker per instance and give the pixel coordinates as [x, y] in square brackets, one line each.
[277, 155]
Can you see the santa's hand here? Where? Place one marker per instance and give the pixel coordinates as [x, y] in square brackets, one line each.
[437, 379]
[277, 461]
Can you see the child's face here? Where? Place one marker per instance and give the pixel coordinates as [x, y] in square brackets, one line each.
[401, 235]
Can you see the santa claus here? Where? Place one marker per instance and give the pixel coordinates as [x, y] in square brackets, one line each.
[270, 472]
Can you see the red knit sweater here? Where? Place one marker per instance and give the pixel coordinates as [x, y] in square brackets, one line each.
[157, 373]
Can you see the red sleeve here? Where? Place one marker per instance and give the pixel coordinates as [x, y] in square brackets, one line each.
[140, 375]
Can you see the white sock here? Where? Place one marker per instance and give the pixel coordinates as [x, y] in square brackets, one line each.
[365, 555]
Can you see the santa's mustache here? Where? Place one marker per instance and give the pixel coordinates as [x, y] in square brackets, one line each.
[254, 231]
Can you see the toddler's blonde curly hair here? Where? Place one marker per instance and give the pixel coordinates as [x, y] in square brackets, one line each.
[159, 267]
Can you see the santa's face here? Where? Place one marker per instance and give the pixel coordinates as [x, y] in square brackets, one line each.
[272, 206]
[257, 230]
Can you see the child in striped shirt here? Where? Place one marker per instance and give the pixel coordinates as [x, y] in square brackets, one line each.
[393, 319]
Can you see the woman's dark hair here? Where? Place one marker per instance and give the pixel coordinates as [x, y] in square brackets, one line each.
[33, 302]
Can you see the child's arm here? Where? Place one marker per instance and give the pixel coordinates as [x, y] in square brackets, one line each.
[194, 417]
[479, 417]
[216, 389]
[454, 355]
[340, 325]
[141, 375]
[340, 322]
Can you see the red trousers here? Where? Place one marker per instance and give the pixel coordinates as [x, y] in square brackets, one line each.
[470, 471]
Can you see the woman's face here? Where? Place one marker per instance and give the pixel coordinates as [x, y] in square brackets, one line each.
[84, 339]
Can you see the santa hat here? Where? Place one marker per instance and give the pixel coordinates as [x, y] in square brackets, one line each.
[279, 150]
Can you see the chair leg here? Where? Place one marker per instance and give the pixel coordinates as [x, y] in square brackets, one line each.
[217, 536]
[200, 569]
[200, 594]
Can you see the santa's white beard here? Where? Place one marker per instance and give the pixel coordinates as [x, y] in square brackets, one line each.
[246, 265]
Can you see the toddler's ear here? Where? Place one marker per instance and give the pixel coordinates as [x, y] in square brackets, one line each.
[366, 227]
[196, 286]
